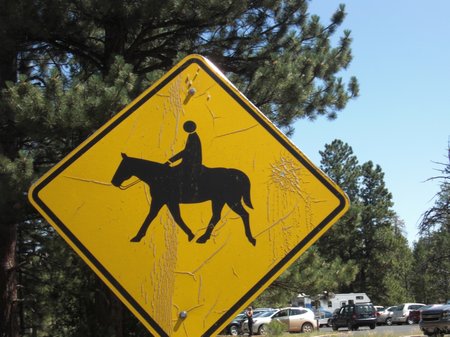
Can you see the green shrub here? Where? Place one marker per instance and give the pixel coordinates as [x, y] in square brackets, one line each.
[276, 328]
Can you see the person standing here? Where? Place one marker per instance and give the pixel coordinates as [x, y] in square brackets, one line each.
[249, 314]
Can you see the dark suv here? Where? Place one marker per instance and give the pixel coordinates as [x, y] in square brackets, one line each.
[435, 321]
[352, 316]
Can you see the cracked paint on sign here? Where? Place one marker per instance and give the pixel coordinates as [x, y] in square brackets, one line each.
[178, 287]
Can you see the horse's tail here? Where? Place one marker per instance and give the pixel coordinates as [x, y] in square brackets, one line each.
[246, 191]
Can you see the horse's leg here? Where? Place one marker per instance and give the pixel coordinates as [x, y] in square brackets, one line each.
[154, 209]
[240, 210]
[174, 209]
[217, 210]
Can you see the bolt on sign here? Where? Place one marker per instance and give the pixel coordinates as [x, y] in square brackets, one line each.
[189, 202]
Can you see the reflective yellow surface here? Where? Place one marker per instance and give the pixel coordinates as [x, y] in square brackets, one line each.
[165, 274]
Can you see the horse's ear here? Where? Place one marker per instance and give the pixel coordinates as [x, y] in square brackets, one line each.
[124, 155]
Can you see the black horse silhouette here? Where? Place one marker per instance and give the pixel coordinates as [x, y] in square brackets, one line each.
[220, 185]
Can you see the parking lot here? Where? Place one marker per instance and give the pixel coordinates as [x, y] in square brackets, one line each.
[381, 330]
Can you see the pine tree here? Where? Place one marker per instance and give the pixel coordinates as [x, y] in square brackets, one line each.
[431, 256]
[67, 67]
[369, 236]
[342, 166]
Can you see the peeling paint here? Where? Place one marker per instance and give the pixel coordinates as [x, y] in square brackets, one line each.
[186, 273]
[214, 117]
[276, 222]
[286, 175]
[234, 272]
[89, 181]
[236, 131]
[210, 311]
[199, 291]
[209, 258]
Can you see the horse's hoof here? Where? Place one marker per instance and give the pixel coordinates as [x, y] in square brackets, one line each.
[202, 239]
[136, 239]
[190, 237]
[252, 241]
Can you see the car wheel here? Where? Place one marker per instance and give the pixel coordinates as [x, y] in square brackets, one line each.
[329, 322]
[389, 321]
[437, 334]
[262, 330]
[334, 327]
[234, 330]
[307, 327]
[372, 326]
[350, 326]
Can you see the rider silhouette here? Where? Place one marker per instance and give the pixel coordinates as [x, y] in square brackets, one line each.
[191, 158]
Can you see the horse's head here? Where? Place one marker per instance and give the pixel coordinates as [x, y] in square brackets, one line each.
[122, 172]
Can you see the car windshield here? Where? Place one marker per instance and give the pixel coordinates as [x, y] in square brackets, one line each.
[266, 313]
[426, 307]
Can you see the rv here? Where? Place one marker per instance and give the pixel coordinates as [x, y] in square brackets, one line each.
[329, 301]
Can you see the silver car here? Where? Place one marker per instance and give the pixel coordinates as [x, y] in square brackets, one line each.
[295, 319]
[384, 315]
[401, 313]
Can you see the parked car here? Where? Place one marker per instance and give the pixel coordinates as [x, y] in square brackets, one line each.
[401, 313]
[295, 319]
[384, 315]
[353, 316]
[260, 323]
[435, 321]
[323, 316]
[234, 328]
[415, 314]
[379, 309]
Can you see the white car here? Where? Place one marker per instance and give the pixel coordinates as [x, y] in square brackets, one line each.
[384, 315]
[295, 319]
[401, 313]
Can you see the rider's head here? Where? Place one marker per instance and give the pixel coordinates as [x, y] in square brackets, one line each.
[189, 126]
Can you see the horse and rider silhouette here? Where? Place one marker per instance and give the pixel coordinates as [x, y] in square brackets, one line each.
[189, 182]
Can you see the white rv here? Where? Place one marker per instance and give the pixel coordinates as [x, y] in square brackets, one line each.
[329, 301]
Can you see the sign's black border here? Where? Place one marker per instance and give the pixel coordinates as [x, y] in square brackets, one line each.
[264, 123]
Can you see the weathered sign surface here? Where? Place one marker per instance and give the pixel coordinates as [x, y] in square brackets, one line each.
[189, 202]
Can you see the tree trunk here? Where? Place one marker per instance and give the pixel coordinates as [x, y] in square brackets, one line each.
[9, 323]
[8, 65]
[115, 38]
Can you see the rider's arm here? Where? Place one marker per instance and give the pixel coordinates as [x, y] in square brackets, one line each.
[176, 157]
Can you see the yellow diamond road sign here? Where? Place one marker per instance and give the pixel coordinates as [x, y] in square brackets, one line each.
[189, 202]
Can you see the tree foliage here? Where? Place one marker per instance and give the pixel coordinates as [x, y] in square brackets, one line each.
[310, 274]
[431, 255]
[370, 234]
[67, 66]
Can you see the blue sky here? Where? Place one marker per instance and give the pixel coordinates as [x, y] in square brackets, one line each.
[401, 121]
